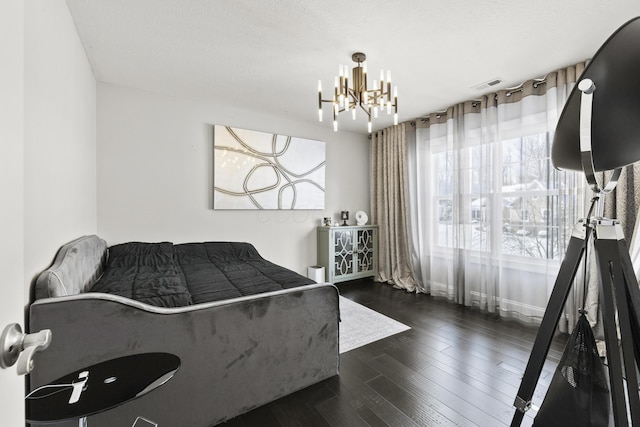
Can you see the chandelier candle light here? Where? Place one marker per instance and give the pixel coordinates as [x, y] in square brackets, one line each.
[371, 101]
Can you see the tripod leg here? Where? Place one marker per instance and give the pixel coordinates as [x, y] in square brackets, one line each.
[541, 345]
[613, 288]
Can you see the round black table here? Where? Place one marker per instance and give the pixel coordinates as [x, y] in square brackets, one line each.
[100, 387]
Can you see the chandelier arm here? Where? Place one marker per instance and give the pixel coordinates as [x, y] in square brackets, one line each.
[363, 107]
[379, 98]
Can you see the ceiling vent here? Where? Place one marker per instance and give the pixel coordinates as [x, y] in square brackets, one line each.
[488, 84]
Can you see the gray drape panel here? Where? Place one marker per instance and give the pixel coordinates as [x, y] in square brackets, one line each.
[389, 193]
[623, 202]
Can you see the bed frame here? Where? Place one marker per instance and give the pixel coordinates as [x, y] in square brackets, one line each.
[235, 355]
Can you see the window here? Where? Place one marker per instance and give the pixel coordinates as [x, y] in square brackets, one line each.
[490, 217]
[508, 198]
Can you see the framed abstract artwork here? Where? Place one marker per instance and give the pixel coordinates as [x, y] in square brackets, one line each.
[259, 170]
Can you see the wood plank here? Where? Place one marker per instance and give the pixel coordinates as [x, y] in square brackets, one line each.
[355, 402]
[262, 416]
[372, 400]
[441, 397]
[351, 363]
[420, 410]
[298, 409]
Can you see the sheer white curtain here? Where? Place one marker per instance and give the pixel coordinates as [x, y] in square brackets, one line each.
[490, 217]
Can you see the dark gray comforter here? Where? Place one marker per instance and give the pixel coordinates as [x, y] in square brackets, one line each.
[168, 275]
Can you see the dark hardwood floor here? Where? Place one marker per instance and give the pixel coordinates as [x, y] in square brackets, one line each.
[454, 367]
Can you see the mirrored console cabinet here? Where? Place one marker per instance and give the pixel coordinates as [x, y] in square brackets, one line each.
[348, 252]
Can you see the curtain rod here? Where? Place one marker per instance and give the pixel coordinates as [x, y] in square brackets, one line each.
[510, 91]
[520, 87]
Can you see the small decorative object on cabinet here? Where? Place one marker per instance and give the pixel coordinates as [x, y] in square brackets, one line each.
[361, 218]
[348, 252]
[344, 216]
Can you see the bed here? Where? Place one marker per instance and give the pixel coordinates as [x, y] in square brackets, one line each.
[246, 331]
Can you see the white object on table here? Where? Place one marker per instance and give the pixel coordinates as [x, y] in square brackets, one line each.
[361, 218]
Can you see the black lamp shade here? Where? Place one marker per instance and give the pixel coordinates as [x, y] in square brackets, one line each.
[615, 124]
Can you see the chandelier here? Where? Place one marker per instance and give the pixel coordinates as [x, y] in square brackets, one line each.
[371, 101]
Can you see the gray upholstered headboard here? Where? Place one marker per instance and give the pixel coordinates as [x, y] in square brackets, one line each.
[77, 266]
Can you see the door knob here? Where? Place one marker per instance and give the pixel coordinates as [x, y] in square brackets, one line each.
[18, 346]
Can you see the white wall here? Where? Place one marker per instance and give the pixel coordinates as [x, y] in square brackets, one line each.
[155, 176]
[60, 135]
[47, 162]
[12, 285]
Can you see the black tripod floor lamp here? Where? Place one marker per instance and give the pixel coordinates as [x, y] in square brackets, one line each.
[599, 130]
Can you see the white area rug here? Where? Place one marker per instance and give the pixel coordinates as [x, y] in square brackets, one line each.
[361, 325]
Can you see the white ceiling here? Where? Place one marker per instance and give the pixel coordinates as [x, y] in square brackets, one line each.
[268, 55]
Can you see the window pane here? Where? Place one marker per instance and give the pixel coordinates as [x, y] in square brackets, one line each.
[444, 224]
[444, 163]
[480, 168]
[525, 226]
